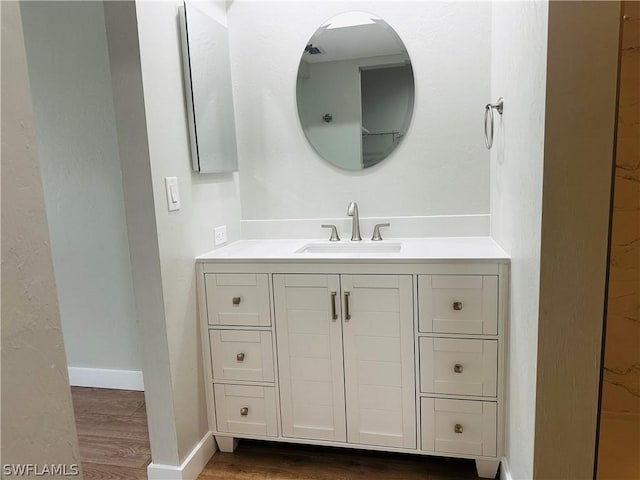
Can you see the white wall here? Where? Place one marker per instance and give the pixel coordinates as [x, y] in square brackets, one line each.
[440, 168]
[37, 415]
[207, 201]
[124, 59]
[518, 63]
[76, 133]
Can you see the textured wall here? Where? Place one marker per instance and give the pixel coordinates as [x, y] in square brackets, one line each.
[126, 77]
[518, 68]
[441, 167]
[207, 201]
[75, 126]
[621, 389]
[37, 415]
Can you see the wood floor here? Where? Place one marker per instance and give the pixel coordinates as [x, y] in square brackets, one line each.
[112, 433]
[272, 461]
[114, 445]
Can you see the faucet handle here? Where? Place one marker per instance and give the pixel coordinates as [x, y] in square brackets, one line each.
[334, 233]
[376, 231]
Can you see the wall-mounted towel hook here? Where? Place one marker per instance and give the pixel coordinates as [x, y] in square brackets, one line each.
[488, 114]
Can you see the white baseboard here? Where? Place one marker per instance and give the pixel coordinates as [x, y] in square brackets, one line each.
[505, 474]
[190, 468]
[106, 378]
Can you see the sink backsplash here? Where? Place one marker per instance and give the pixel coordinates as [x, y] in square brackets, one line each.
[401, 227]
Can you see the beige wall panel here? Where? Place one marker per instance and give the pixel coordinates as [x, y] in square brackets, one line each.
[37, 414]
[579, 132]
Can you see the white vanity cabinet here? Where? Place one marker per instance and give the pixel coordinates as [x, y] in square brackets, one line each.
[403, 356]
[461, 344]
[346, 358]
[238, 354]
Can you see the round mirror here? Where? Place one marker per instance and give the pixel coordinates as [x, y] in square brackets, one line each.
[355, 90]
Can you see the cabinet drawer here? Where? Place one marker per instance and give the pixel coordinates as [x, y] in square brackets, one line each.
[459, 426]
[246, 409]
[237, 299]
[466, 304]
[241, 355]
[458, 366]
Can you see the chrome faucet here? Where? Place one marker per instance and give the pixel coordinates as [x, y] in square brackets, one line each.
[352, 211]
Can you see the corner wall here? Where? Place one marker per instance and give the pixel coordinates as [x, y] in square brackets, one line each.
[37, 415]
[126, 80]
[519, 57]
[208, 200]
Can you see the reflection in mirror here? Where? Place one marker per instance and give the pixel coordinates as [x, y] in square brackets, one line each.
[355, 90]
[207, 73]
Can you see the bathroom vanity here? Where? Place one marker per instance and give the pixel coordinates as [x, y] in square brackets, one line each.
[392, 345]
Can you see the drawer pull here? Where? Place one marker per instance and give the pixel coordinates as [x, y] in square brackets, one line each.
[334, 313]
[347, 313]
[458, 428]
[457, 305]
[236, 300]
[240, 357]
[457, 368]
[244, 411]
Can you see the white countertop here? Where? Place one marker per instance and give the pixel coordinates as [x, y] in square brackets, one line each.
[412, 250]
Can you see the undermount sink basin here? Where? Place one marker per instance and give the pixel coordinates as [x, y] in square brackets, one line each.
[350, 247]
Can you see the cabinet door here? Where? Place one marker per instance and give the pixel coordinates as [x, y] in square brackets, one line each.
[309, 338]
[379, 360]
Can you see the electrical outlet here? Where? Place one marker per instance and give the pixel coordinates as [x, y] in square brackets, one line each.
[220, 235]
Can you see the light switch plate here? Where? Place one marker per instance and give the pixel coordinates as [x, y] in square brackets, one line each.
[173, 195]
[220, 235]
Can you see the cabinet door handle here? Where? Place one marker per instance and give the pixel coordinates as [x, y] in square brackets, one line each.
[240, 357]
[458, 428]
[334, 313]
[236, 300]
[457, 368]
[244, 411]
[347, 313]
[457, 305]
